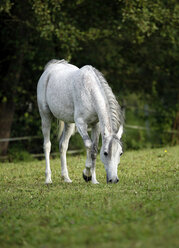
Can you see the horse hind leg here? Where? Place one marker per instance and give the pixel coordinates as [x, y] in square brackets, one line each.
[46, 125]
[63, 146]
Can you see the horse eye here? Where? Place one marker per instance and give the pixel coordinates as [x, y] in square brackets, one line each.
[105, 153]
[121, 153]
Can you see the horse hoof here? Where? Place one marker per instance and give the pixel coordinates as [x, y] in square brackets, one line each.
[67, 180]
[95, 182]
[47, 182]
[86, 178]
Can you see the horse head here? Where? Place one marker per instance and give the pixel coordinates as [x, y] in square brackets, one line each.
[110, 154]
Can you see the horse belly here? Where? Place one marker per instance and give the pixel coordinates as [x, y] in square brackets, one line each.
[60, 102]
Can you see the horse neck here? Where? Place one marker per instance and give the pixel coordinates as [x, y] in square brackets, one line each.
[105, 123]
[103, 111]
[99, 98]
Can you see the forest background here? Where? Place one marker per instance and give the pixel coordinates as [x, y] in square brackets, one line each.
[135, 44]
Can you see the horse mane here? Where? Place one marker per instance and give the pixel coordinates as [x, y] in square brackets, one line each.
[116, 112]
[55, 61]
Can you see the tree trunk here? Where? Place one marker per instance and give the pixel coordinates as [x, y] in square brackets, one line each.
[175, 136]
[7, 108]
[6, 118]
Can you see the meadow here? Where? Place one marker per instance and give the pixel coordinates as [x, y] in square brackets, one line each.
[142, 210]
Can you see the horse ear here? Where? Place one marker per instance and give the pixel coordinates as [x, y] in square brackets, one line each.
[120, 132]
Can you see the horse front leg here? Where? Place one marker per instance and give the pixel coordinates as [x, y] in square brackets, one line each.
[89, 173]
[95, 138]
[82, 129]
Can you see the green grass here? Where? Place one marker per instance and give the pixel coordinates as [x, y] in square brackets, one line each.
[142, 210]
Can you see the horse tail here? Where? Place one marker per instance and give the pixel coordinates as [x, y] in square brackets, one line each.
[60, 129]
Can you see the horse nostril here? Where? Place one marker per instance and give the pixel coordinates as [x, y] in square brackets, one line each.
[117, 180]
[110, 181]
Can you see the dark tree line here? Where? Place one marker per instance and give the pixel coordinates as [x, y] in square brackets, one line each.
[134, 43]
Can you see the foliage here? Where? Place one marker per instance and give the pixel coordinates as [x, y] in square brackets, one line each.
[141, 56]
[134, 43]
[140, 211]
[18, 153]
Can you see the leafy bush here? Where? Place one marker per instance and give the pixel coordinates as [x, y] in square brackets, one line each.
[17, 153]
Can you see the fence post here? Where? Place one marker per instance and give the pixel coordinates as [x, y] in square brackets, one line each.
[146, 114]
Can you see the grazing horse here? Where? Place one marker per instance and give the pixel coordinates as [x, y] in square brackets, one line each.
[81, 97]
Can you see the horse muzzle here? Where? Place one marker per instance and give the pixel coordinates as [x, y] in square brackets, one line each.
[113, 180]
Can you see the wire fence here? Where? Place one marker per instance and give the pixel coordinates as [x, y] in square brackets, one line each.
[139, 113]
[71, 152]
[40, 137]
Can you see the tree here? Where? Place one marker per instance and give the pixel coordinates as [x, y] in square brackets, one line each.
[142, 56]
[32, 32]
[134, 43]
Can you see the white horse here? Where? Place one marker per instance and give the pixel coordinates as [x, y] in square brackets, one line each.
[82, 97]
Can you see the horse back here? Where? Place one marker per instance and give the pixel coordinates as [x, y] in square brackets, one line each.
[68, 91]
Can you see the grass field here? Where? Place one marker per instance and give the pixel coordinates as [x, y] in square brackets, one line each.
[142, 210]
